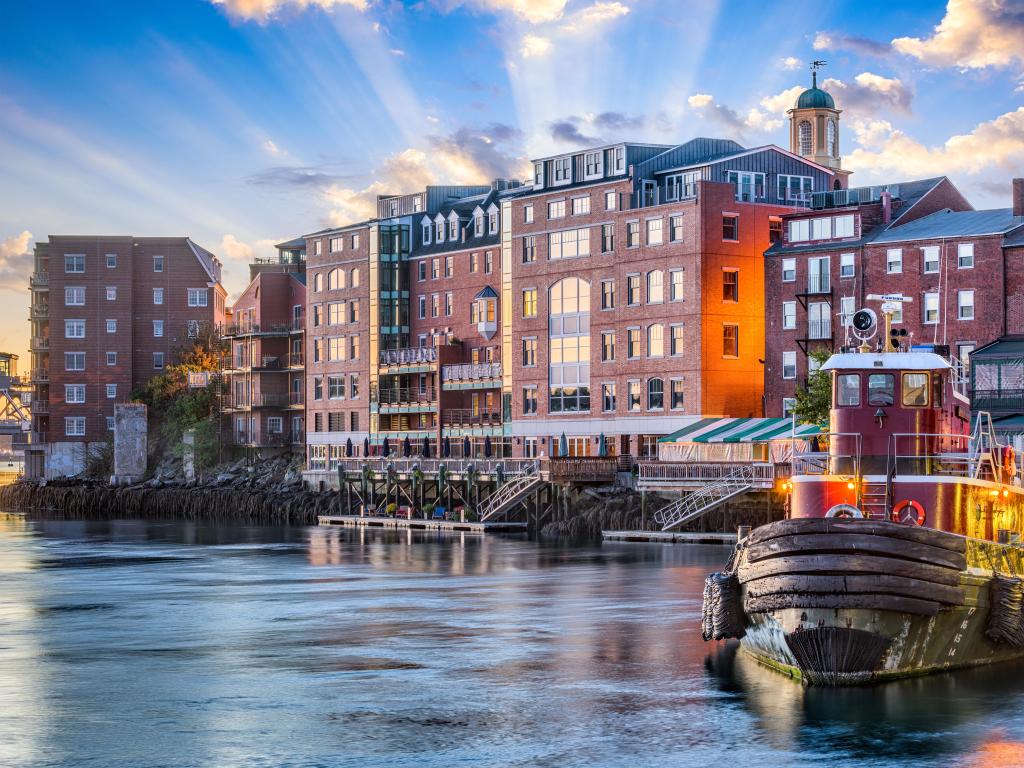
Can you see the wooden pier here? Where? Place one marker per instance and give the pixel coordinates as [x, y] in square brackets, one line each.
[669, 537]
[356, 521]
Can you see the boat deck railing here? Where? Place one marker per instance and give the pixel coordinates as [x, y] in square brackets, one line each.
[841, 455]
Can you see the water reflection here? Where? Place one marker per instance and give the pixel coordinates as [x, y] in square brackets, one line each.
[144, 644]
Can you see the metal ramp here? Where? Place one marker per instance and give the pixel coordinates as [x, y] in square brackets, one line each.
[510, 494]
[693, 505]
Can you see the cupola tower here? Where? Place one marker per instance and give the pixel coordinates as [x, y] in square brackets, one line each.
[814, 124]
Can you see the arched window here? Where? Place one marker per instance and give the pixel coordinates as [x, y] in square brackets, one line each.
[656, 340]
[831, 135]
[655, 394]
[332, 280]
[655, 287]
[804, 135]
[569, 346]
[318, 281]
[354, 282]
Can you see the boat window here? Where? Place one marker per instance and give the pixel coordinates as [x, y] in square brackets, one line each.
[937, 390]
[848, 389]
[915, 390]
[881, 389]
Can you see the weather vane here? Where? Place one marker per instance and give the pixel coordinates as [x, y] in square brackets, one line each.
[818, 64]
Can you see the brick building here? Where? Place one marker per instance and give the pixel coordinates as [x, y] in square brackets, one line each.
[619, 293]
[920, 239]
[107, 314]
[264, 368]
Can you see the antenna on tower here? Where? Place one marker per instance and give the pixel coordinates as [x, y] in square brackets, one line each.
[815, 66]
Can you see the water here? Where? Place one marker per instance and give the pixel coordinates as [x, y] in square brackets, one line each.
[142, 644]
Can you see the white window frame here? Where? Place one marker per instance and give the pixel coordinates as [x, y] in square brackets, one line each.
[111, 390]
[158, 329]
[789, 266]
[962, 305]
[894, 261]
[789, 315]
[789, 364]
[74, 426]
[74, 329]
[930, 298]
[74, 394]
[926, 251]
[158, 296]
[965, 256]
[72, 294]
[847, 265]
[199, 297]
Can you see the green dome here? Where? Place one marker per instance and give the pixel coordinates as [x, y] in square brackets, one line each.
[815, 98]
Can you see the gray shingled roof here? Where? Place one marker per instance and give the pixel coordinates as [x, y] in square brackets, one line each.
[947, 223]
[1016, 239]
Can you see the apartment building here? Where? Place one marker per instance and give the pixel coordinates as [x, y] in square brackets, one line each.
[921, 239]
[107, 314]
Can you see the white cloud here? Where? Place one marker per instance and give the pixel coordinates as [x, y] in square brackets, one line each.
[263, 10]
[595, 14]
[790, 63]
[272, 149]
[433, 120]
[973, 34]
[759, 121]
[780, 102]
[869, 94]
[531, 11]
[16, 261]
[396, 52]
[233, 248]
[699, 100]
[996, 145]
[535, 46]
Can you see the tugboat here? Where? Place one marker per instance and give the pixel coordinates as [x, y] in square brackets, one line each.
[901, 547]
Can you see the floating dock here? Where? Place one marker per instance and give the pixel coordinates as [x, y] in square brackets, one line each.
[668, 537]
[356, 521]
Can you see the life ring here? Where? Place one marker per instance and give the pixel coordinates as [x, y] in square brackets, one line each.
[1009, 461]
[844, 510]
[898, 511]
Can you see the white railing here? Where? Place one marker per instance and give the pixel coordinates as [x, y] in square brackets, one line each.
[693, 505]
[845, 461]
[471, 372]
[379, 465]
[698, 473]
[819, 329]
[509, 494]
[408, 356]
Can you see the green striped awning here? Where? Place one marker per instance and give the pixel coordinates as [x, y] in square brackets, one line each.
[740, 431]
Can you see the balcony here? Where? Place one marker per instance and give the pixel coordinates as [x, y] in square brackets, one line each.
[296, 399]
[408, 356]
[39, 281]
[819, 329]
[40, 407]
[272, 440]
[295, 362]
[820, 283]
[470, 372]
[406, 396]
[465, 418]
[298, 324]
[259, 400]
[256, 329]
[41, 375]
[37, 437]
[37, 311]
[39, 343]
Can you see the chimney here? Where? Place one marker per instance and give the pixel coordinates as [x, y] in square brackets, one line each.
[886, 208]
[1018, 197]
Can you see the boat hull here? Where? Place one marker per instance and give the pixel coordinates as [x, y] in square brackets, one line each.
[851, 602]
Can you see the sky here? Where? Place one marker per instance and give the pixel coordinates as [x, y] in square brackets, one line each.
[242, 123]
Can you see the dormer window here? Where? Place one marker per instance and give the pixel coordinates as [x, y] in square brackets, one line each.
[440, 231]
[563, 167]
[620, 159]
[426, 234]
[593, 164]
[538, 174]
[478, 223]
[453, 228]
[492, 223]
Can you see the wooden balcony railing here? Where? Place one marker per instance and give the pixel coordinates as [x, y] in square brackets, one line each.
[581, 468]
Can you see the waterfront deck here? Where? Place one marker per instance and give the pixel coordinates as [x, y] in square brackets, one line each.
[669, 537]
[355, 521]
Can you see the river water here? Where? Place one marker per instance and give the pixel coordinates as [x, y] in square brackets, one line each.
[142, 644]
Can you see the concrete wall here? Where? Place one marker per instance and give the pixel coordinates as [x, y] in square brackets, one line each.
[130, 441]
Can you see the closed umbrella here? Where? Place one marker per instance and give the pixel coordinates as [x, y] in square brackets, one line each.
[366, 447]
[446, 447]
[563, 446]
[426, 447]
[348, 448]
[406, 447]
[487, 447]
[602, 445]
[385, 449]
[465, 448]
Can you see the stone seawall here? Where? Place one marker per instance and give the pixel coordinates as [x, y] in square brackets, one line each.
[80, 500]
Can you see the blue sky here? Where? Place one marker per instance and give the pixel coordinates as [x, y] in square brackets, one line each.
[246, 122]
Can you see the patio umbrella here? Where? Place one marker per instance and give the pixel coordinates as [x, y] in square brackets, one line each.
[446, 447]
[366, 447]
[487, 447]
[563, 446]
[406, 447]
[426, 447]
[348, 448]
[385, 448]
[602, 445]
[465, 448]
